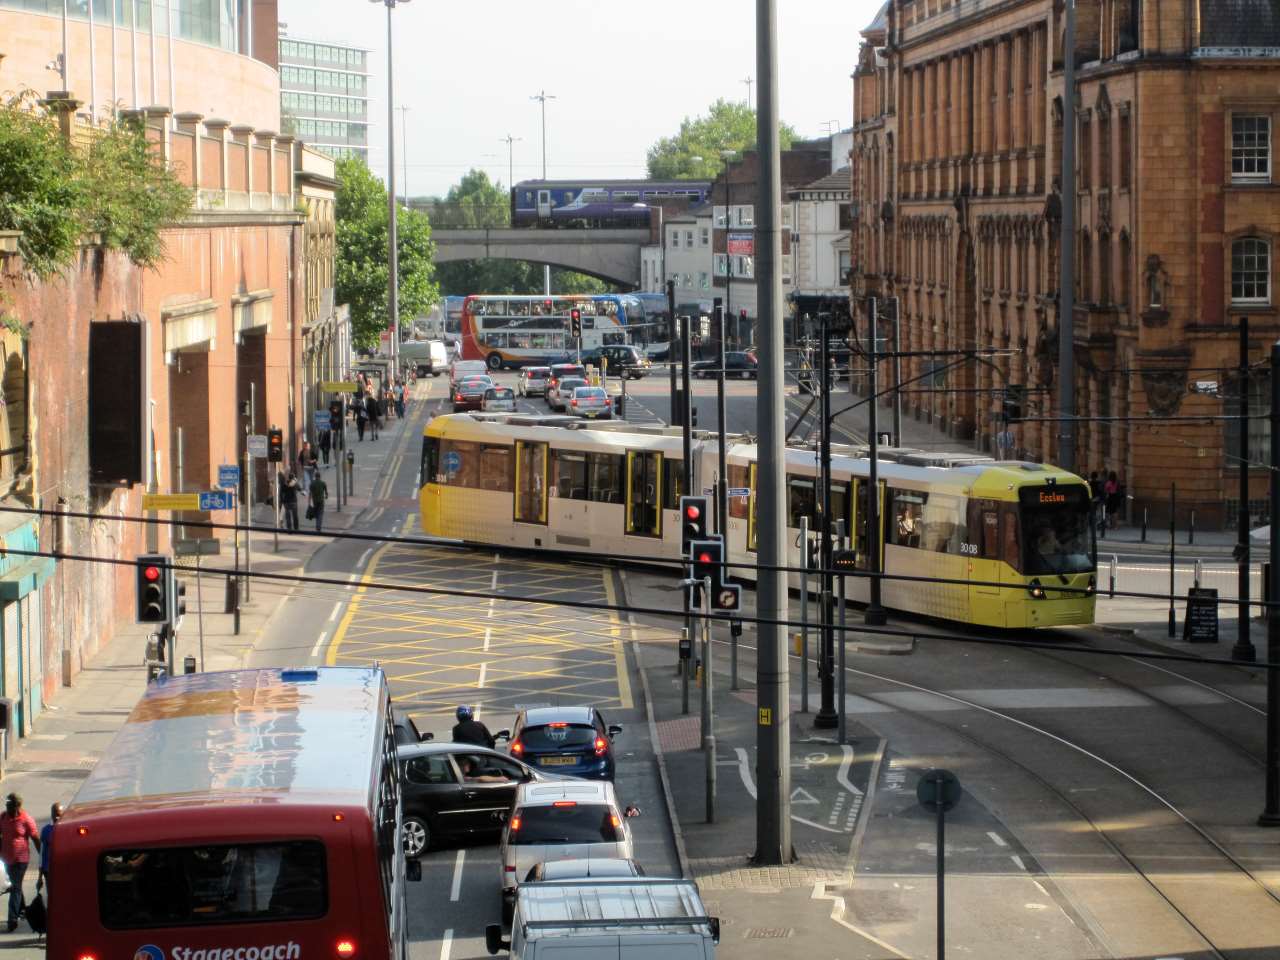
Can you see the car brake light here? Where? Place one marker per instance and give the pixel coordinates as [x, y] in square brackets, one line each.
[515, 825]
[608, 402]
[613, 818]
[510, 869]
[601, 745]
[458, 397]
[86, 956]
[574, 401]
[557, 724]
[517, 747]
[345, 948]
[565, 803]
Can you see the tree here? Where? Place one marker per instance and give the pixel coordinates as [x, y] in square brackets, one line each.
[363, 270]
[476, 201]
[726, 126]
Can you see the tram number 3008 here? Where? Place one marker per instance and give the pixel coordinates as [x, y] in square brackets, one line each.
[969, 549]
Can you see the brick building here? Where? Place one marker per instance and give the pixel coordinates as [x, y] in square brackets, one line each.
[124, 379]
[958, 128]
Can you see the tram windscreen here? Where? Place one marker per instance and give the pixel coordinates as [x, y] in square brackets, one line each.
[1056, 537]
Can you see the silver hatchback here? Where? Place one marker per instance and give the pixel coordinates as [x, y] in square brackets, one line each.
[533, 381]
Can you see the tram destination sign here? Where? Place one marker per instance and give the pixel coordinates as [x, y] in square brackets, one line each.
[1201, 623]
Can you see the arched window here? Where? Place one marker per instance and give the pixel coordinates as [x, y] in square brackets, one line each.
[1104, 268]
[1250, 271]
[1085, 269]
[1126, 270]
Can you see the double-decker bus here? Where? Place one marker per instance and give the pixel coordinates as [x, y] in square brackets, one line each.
[252, 814]
[515, 331]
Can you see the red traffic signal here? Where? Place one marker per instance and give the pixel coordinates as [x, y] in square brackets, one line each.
[693, 511]
[152, 588]
[151, 573]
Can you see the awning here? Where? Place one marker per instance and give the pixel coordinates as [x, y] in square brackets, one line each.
[25, 577]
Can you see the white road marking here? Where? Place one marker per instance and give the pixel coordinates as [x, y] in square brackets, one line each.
[455, 890]
[333, 614]
[320, 642]
[996, 838]
[480, 682]
[364, 556]
[744, 770]
[1018, 860]
[446, 943]
[843, 776]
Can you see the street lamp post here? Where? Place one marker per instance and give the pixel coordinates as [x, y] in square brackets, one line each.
[393, 275]
[542, 97]
[510, 141]
[404, 147]
[726, 156]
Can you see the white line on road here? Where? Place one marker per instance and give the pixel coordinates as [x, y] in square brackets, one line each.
[843, 776]
[446, 943]
[480, 682]
[333, 614]
[320, 642]
[996, 838]
[1018, 860]
[455, 891]
[364, 556]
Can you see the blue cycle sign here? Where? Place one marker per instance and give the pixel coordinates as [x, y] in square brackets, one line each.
[452, 462]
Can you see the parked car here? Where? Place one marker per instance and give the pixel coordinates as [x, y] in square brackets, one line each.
[533, 381]
[736, 365]
[561, 370]
[558, 396]
[565, 820]
[468, 393]
[623, 360]
[591, 402]
[571, 739]
[457, 790]
[499, 400]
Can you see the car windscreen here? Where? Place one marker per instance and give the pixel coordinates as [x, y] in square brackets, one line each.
[575, 823]
[557, 737]
[143, 887]
[568, 370]
[571, 383]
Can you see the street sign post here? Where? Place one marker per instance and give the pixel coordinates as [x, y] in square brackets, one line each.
[229, 475]
[257, 444]
[938, 791]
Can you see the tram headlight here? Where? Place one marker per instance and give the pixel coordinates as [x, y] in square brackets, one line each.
[1037, 591]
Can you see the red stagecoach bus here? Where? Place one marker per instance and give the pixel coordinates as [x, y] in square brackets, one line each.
[242, 815]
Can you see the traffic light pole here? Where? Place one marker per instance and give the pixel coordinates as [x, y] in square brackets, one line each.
[708, 727]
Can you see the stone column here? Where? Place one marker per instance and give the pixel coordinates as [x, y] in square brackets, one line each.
[216, 129]
[63, 106]
[1039, 107]
[1003, 109]
[158, 122]
[290, 145]
[242, 133]
[1021, 98]
[189, 123]
[267, 138]
[930, 112]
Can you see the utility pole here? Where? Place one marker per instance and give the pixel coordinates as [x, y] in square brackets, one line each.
[875, 615]
[509, 140]
[773, 721]
[393, 251]
[826, 716]
[542, 97]
[404, 151]
[1243, 650]
[1271, 812]
[722, 487]
[1066, 251]
[897, 371]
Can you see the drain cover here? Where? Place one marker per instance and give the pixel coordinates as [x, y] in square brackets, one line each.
[768, 933]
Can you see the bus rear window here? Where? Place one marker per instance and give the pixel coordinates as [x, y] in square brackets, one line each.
[212, 884]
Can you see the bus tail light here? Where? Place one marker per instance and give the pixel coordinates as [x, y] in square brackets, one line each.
[1037, 591]
[574, 401]
[517, 748]
[601, 746]
[345, 948]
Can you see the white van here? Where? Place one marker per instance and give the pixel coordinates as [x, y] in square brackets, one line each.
[466, 368]
[608, 919]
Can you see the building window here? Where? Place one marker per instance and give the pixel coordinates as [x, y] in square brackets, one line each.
[1126, 149]
[721, 264]
[1250, 148]
[675, 239]
[746, 217]
[1086, 153]
[688, 239]
[1259, 424]
[1104, 151]
[704, 237]
[704, 280]
[1250, 271]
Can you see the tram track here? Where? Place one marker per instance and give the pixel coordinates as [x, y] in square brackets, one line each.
[1197, 845]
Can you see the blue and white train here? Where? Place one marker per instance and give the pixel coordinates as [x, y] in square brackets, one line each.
[597, 203]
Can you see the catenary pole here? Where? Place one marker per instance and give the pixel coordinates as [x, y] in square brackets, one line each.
[1271, 812]
[773, 807]
[542, 97]
[826, 717]
[1067, 246]
[1243, 650]
[875, 614]
[393, 243]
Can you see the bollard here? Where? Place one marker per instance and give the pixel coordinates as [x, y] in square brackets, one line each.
[1144, 524]
[1115, 567]
[1191, 532]
[1199, 571]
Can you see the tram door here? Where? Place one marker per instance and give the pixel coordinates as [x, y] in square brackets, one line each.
[531, 482]
[644, 493]
[544, 204]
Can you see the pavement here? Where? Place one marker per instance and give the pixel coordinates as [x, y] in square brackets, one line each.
[79, 722]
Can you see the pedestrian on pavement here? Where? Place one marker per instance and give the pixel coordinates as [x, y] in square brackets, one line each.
[326, 443]
[46, 845]
[400, 400]
[289, 499]
[470, 730]
[1111, 490]
[17, 832]
[306, 462]
[372, 411]
[319, 494]
[362, 417]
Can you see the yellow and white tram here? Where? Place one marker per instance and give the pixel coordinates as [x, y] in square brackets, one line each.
[1009, 543]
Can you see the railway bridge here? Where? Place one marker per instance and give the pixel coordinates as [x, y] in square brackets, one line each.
[611, 255]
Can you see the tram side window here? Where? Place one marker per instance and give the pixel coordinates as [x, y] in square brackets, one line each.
[1010, 551]
[430, 459]
[495, 468]
[569, 475]
[672, 483]
[738, 506]
[467, 459]
[801, 500]
[606, 477]
[907, 517]
[944, 524]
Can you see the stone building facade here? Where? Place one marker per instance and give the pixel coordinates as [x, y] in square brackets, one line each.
[957, 149]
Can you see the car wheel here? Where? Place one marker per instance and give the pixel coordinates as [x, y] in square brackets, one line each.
[508, 912]
[417, 837]
[495, 361]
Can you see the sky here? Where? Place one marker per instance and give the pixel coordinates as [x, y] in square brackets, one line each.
[623, 74]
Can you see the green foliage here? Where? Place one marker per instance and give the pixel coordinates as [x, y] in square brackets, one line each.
[133, 194]
[478, 202]
[55, 194]
[42, 189]
[726, 126]
[363, 268]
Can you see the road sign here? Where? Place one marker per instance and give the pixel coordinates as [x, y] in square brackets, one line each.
[739, 491]
[228, 475]
[217, 500]
[171, 501]
[322, 420]
[452, 462]
[935, 783]
[338, 386]
[257, 444]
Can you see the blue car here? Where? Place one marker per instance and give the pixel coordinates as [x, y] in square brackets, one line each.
[569, 740]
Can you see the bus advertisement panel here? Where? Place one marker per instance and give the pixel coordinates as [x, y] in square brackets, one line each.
[248, 813]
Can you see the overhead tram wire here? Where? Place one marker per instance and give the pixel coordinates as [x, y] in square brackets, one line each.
[860, 628]
[582, 559]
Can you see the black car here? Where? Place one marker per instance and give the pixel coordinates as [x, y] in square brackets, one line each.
[407, 731]
[624, 360]
[457, 790]
[736, 365]
[569, 740]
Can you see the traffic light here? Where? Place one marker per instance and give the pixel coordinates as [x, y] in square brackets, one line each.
[178, 596]
[152, 578]
[275, 445]
[707, 557]
[693, 521]
[575, 323]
